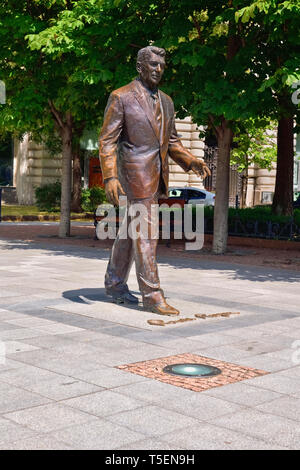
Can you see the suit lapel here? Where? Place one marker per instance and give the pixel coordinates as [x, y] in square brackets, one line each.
[143, 102]
[164, 111]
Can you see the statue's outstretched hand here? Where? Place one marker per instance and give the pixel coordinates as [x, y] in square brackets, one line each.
[199, 167]
[112, 190]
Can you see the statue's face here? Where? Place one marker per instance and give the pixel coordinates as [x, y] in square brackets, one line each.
[151, 70]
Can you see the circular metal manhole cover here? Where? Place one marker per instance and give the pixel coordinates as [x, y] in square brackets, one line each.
[192, 370]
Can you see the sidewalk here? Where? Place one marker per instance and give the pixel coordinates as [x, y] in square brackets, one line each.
[63, 343]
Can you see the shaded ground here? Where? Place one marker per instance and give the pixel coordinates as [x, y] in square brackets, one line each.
[83, 234]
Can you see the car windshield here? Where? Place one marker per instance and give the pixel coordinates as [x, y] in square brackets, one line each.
[192, 193]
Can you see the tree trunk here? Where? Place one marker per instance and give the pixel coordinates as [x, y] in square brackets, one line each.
[66, 179]
[76, 193]
[224, 135]
[283, 196]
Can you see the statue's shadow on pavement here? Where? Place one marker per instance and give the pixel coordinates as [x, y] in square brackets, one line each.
[89, 296]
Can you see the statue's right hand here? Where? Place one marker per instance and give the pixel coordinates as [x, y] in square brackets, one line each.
[112, 190]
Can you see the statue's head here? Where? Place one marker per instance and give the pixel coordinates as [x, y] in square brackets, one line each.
[150, 65]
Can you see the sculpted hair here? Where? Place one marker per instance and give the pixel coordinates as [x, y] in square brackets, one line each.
[144, 54]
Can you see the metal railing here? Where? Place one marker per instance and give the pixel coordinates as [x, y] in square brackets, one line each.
[259, 229]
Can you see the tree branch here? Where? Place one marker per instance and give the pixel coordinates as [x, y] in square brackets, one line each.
[56, 114]
[216, 129]
[197, 26]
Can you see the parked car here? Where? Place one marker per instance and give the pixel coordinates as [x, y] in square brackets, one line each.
[188, 195]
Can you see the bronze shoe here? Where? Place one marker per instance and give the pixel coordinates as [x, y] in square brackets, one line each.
[124, 297]
[162, 309]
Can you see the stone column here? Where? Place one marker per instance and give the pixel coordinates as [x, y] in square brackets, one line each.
[189, 136]
[33, 166]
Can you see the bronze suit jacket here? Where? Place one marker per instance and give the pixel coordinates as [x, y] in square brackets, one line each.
[133, 148]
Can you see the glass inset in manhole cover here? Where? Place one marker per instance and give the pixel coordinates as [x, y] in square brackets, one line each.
[192, 370]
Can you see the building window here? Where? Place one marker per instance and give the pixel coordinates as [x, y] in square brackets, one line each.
[267, 197]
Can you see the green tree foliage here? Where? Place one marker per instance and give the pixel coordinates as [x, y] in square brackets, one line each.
[233, 63]
[60, 59]
[213, 78]
[276, 27]
[254, 143]
[42, 94]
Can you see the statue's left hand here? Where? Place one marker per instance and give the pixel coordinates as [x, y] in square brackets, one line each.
[199, 167]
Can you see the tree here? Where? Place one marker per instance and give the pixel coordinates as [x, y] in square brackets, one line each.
[75, 53]
[215, 73]
[254, 144]
[213, 78]
[276, 23]
[43, 94]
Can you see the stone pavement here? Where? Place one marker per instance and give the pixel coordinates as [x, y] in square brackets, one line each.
[62, 341]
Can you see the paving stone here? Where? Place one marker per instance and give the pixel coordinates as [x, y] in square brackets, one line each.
[292, 372]
[25, 376]
[109, 343]
[199, 406]
[62, 387]
[29, 322]
[277, 384]
[37, 443]
[97, 435]
[208, 437]
[57, 328]
[288, 407]
[168, 341]
[104, 403]
[84, 336]
[20, 333]
[154, 392]
[269, 427]
[257, 347]
[287, 354]
[9, 314]
[52, 361]
[152, 421]
[264, 362]
[14, 347]
[73, 319]
[9, 364]
[115, 358]
[10, 432]
[151, 444]
[122, 331]
[48, 418]
[214, 339]
[243, 394]
[15, 398]
[47, 341]
[7, 326]
[223, 353]
[76, 350]
[109, 377]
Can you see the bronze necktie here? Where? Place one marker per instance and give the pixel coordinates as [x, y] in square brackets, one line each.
[156, 109]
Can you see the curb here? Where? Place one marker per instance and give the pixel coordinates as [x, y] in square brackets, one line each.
[258, 242]
[43, 218]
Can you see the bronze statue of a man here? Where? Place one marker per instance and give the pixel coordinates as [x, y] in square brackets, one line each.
[137, 137]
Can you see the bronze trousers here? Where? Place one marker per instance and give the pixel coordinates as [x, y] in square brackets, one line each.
[141, 249]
